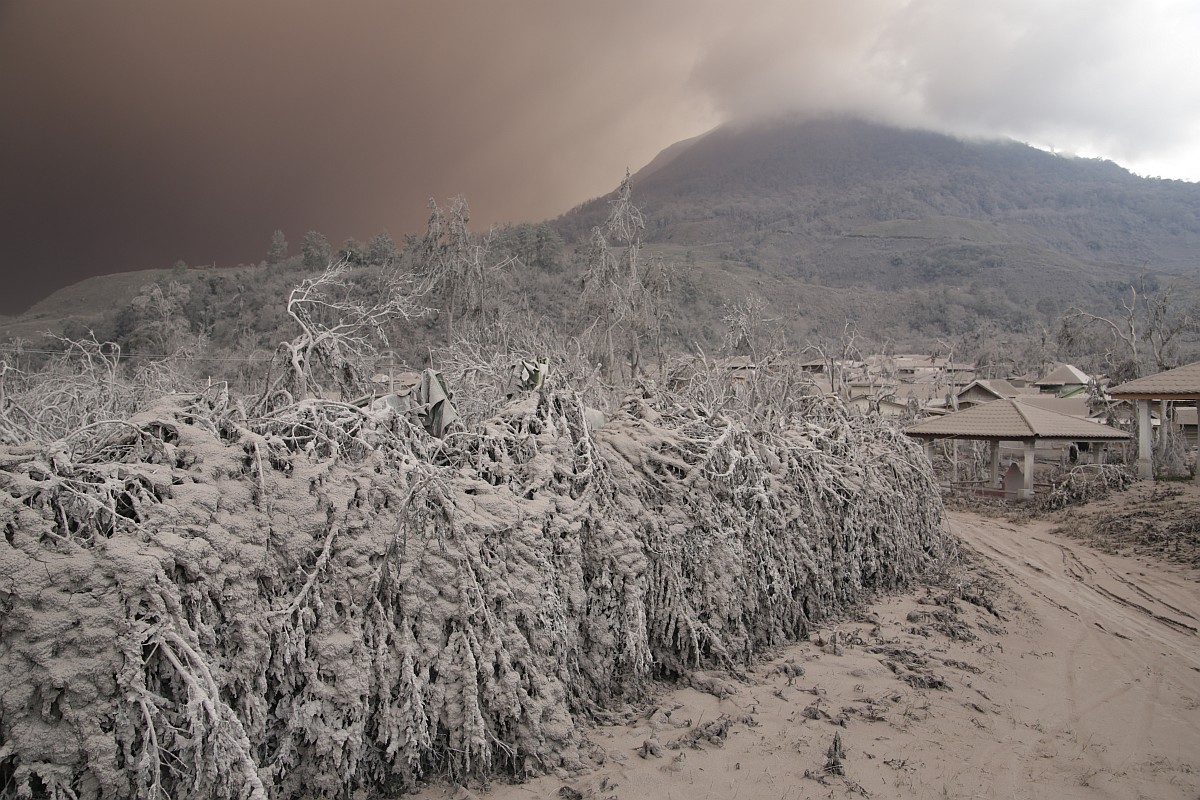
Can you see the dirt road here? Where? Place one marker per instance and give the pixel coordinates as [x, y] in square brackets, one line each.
[1114, 694]
[1051, 671]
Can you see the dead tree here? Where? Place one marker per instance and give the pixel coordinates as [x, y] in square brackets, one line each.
[83, 385]
[836, 355]
[1143, 339]
[457, 266]
[626, 295]
[340, 334]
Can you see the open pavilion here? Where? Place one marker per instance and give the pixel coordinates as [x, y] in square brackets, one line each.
[1013, 421]
[1181, 383]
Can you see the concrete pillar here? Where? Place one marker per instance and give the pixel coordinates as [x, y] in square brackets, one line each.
[1027, 492]
[1145, 460]
[994, 475]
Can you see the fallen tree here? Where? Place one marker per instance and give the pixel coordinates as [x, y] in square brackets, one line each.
[323, 600]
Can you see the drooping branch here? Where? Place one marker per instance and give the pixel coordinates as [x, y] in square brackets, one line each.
[340, 334]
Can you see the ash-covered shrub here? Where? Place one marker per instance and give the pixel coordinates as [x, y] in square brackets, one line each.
[1085, 483]
[325, 601]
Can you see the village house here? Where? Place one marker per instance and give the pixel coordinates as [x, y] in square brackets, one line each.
[981, 391]
[1064, 381]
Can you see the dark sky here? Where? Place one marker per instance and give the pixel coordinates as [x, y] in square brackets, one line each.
[137, 132]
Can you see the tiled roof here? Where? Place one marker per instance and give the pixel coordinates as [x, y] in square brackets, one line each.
[1071, 406]
[997, 387]
[1012, 420]
[1001, 387]
[1183, 380]
[1064, 376]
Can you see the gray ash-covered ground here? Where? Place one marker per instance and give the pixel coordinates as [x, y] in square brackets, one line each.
[1152, 519]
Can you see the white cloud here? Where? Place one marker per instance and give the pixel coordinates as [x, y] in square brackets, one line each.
[1114, 79]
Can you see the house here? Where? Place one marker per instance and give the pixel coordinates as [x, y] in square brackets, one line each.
[813, 365]
[923, 393]
[1071, 406]
[740, 368]
[1066, 379]
[981, 391]
[1015, 426]
[883, 405]
[1186, 419]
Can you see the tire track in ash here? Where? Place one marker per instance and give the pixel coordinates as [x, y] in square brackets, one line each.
[1070, 580]
[1149, 596]
[1074, 565]
[1113, 692]
[1152, 598]
[977, 545]
[1076, 696]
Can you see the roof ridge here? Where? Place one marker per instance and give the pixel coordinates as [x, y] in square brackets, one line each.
[1019, 408]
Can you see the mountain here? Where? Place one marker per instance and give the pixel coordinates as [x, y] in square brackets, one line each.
[903, 217]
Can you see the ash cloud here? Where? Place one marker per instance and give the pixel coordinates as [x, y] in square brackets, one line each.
[152, 132]
[139, 132]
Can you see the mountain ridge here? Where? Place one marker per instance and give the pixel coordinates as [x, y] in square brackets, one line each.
[841, 177]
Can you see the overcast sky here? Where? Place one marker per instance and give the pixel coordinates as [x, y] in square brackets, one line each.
[137, 132]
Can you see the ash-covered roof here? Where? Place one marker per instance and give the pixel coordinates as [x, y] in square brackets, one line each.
[997, 387]
[1179, 382]
[1071, 406]
[1065, 375]
[1013, 420]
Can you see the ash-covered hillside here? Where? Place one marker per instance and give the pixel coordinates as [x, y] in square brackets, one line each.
[846, 203]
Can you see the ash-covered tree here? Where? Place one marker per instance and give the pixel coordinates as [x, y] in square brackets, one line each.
[156, 321]
[353, 252]
[315, 250]
[279, 248]
[838, 355]
[1000, 352]
[536, 246]
[457, 266]
[381, 250]
[625, 295]
[1147, 337]
[341, 330]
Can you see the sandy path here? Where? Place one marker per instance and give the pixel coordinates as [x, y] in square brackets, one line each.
[1116, 688]
[1084, 684]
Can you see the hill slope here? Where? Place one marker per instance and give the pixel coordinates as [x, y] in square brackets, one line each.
[846, 203]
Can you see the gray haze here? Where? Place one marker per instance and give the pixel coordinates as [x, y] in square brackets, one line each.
[138, 132]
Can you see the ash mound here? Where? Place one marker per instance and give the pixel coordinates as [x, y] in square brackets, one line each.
[330, 602]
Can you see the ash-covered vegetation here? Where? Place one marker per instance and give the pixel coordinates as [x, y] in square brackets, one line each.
[320, 600]
[288, 583]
